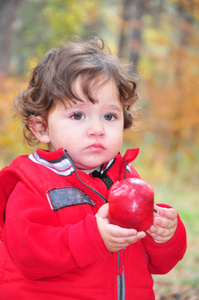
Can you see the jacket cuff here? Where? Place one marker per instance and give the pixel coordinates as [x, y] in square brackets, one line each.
[85, 242]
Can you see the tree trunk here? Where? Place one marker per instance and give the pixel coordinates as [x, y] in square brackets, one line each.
[136, 32]
[123, 27]
[180, 71]
[8, 10]
[131, 30]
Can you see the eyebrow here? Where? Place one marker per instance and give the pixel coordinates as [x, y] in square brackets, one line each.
[108, 107]
[115, 107]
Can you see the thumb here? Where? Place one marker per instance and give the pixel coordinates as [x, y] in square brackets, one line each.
[103, 211]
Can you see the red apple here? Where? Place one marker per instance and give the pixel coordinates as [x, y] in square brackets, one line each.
[131, 204]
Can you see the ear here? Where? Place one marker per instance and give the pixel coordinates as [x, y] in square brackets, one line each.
[39, 128]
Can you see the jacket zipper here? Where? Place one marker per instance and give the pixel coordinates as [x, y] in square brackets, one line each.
[120, 277]
[121, 287]
[96, 192]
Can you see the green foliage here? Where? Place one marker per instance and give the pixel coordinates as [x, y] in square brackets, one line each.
[43, 25]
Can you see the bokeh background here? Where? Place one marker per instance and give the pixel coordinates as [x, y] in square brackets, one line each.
[161, 39]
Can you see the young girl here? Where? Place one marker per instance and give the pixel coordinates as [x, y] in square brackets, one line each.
[57, 242]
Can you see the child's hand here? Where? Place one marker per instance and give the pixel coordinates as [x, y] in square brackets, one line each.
[115, 238]
[164, 224]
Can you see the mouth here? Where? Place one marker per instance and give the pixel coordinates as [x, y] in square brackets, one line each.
[96, 147]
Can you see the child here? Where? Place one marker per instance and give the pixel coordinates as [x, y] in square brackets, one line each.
[57, 242]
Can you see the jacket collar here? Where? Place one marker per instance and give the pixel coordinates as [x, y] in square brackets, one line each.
[56, 161]
[61, 163]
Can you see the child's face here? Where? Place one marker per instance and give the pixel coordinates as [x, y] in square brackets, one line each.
[91, 133]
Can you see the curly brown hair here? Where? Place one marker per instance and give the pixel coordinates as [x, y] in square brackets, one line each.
[52, 81]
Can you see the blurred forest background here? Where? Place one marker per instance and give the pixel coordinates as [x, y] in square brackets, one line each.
[161, 38]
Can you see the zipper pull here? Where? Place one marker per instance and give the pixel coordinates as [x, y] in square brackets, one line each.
[121, 254]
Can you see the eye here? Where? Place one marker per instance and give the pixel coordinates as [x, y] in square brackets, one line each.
[110, 117]
[77, 116]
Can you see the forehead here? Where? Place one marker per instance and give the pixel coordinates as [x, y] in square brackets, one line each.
[100, 85]
[99, 89]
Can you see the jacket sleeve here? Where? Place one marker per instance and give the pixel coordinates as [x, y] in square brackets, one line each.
[37, 243]
[162, 257]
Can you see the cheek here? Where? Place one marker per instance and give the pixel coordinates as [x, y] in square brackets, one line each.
[116, 139]
[72, 142]
[120, 140]
[118, 134]
[59, 139]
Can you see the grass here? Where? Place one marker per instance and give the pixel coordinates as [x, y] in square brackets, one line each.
[185, 276]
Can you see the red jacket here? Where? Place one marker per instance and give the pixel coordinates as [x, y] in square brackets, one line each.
[51, 248]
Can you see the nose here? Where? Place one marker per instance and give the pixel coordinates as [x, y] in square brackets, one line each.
[96, 128]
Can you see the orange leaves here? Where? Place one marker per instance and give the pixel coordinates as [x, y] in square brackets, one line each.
[11, 142]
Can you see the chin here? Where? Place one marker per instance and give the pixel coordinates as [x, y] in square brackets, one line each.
[89, 166]
[92, 162]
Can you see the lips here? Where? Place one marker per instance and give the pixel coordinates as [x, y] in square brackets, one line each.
[96, 147]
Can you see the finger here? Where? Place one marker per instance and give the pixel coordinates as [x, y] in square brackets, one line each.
[155, 231]
[156, 236]
[122, 241]
[156, 209]
[169, 213]
[159, 238]
[118, 231]
[165, 223]
[133, 238]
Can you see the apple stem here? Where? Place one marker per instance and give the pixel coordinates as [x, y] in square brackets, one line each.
[155, 210]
